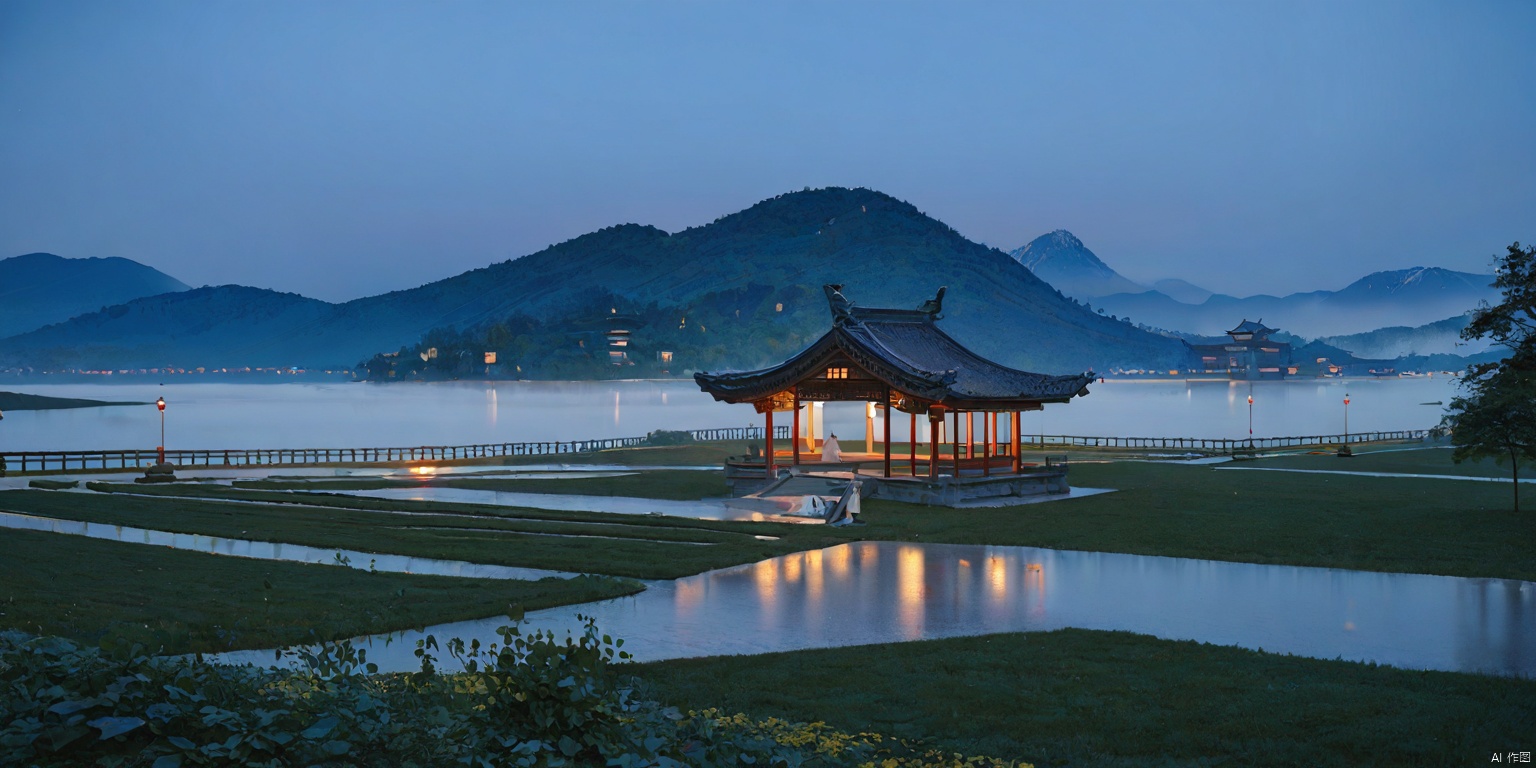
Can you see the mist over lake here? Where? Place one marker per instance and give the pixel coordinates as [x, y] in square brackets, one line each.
[221, 415]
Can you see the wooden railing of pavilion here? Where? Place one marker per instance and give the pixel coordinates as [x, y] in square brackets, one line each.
[39, 461]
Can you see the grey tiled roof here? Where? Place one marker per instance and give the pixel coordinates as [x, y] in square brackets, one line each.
[1249, 326]
[905, 349]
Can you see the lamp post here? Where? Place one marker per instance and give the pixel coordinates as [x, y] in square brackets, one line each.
[1250, 420]
[160, 451]
[1346, 417]
[1344, 449]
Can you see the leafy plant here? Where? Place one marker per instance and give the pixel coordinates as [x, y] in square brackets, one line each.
[532, 700]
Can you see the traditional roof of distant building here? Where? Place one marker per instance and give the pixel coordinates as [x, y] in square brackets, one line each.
[1256, 328]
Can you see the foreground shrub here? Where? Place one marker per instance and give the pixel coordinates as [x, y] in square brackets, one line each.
[532, 700]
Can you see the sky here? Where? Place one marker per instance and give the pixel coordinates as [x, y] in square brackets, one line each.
[344, 149]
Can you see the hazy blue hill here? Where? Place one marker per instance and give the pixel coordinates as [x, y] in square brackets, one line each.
[884, 250]
[1059, 258]
[738, 271]
[1417, 284]
[1437, 338]
[1407, 298]
[1182, 290]
[228, 325]
[40, 288]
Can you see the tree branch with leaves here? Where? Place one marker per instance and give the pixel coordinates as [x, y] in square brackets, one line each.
[1496, 418]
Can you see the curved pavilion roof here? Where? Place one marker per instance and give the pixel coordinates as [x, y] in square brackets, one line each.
[906, 351]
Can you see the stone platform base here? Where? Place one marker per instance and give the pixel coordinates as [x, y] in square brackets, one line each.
[947, 491]
[159, 473]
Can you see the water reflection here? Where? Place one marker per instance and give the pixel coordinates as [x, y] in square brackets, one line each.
[873, 592]
[752, 510]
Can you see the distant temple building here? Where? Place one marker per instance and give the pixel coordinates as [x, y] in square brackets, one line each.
[1251, 354]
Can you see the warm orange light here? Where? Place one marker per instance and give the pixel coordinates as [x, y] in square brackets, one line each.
[423, 470]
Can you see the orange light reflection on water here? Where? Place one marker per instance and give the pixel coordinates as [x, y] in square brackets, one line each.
[814, 579]
[910, 588]
[766, 575]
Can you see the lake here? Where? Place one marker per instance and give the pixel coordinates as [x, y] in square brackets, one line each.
[341, 415]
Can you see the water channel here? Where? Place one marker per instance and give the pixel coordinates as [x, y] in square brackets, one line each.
[879, 592]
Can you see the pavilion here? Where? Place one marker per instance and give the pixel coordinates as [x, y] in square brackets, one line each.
[899, 360]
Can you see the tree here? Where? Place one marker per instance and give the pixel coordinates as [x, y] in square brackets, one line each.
[1496, 418]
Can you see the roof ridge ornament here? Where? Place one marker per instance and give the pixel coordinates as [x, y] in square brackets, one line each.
[842, 308]
[934, 307]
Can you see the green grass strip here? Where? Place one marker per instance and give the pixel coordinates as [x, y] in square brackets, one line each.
[1079, 697]
[180, 602]
[653, 553]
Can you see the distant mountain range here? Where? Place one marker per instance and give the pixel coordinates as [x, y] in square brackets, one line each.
[740, 292]
[1437, 338]
[1059, 258]
[759, 272]
[1405, 297]
[40, 288]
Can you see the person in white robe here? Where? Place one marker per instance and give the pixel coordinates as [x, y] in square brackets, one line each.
[831, 451]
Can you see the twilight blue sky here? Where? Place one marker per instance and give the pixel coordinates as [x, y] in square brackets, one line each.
[339, 149]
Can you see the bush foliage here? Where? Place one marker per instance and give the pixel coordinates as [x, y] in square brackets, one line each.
[532, 700]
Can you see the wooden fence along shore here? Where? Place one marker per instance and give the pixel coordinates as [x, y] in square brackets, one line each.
[41, 461]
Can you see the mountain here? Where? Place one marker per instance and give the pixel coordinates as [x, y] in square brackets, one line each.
[228, 325]
[1438, 338]
[41, 288]
[1419, 285]
[1406, 297]
[1059, 258]
[755, 275]
[1182, 291]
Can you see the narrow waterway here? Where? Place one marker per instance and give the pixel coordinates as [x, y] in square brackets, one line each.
[266, 550]
[879, 592]
[749, 510]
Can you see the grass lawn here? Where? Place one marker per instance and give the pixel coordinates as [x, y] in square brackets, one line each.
[88, 590]
[1078, 697]
[636, 546]
[1422, 461]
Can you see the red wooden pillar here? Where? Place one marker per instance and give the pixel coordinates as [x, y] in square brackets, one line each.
[955, 443]
[1018, 447]
[795, 431]
[933, 444]
[768, 441]
[889, 412]
[970, 435]
[992, 444]
[912, 446]
[986, 444]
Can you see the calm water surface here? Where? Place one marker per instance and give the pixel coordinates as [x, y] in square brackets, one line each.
[209, 416]
[877, 592]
